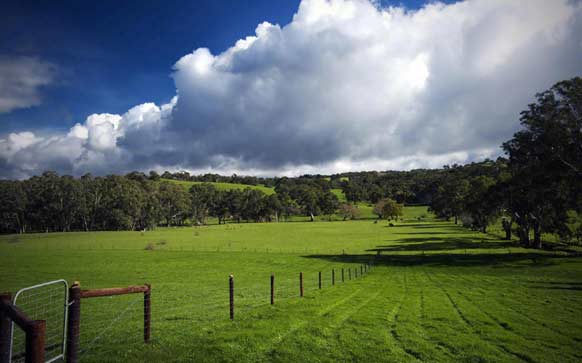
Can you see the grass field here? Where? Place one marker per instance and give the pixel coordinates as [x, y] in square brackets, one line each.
[224, 186]
[437, 293]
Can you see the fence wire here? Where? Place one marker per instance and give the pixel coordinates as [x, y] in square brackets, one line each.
[45, 302]
[112, 328]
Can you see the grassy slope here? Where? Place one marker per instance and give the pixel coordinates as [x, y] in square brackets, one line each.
[438, 293]
[224, 186]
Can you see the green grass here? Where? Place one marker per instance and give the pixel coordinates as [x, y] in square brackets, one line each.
[437, 293]
[224, 186]
[339, 194]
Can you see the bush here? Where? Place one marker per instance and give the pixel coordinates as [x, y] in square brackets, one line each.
[573, 224]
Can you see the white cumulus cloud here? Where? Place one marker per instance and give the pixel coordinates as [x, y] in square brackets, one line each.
[346, 85]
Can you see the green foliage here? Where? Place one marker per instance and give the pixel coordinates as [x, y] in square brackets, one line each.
[388, 209]
[573, 225]
[545, 161]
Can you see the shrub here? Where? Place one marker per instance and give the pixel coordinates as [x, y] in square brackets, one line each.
[573, 224]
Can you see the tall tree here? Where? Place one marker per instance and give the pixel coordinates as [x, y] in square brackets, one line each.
[545, 159]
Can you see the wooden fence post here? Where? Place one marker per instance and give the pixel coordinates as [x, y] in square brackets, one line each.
[332, 276]
[231, 295]
[5, 324]
[361, 270]
[73, 323]
[272, 289]
[301, 284]
[147, 313]
[320, 280]
[35, 340]
[343, 280]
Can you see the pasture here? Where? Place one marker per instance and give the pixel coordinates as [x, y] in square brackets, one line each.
[437, 292]
[223, 186]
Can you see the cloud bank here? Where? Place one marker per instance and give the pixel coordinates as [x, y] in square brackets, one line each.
[345, 86]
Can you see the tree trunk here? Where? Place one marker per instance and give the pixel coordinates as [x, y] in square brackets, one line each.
[507, 228]
[537, 242]
[524, 236]
[456, 219]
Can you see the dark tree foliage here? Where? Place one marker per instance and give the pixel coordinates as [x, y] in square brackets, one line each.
[311, 194]
[537, 189]
[545, 163]
[410, 187]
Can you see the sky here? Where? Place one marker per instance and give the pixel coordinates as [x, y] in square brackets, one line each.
[272, 88]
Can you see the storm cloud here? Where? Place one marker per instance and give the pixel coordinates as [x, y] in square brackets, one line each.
[345, 86]
[21, 79]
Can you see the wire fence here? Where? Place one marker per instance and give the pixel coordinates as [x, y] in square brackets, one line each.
[113, 324]
[112, 328]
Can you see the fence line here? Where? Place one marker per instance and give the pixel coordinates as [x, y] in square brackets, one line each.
[111, 317]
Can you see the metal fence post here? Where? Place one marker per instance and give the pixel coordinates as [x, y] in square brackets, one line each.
[301, 284]
[147, 313]
[320, 280]
[35, 340]
[5, 324]
[349, 273]
[361, 270]
[343, 280]
[272, 289]
[231, 295]
[332, 276]
[73, 323]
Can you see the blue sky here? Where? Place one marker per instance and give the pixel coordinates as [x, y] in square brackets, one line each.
[111, 55]
[347, 85]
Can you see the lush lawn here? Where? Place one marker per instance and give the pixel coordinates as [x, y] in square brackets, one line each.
[438, 292]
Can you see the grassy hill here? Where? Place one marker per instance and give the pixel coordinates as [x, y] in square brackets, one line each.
[230, 186]
[437, 293]
[224, 186]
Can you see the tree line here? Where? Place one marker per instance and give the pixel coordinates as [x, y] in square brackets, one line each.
[538, 188]
[54, 203]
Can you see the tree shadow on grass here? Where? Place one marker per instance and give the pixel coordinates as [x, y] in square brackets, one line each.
[572, 288]
[517, 260]
[428, 233]
[450, 251]
[419, 225]
[440, 244]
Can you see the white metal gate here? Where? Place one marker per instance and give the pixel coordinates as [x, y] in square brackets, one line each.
[47, 301]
